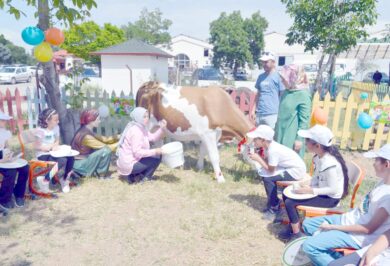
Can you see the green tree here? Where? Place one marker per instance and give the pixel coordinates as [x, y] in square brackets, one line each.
[255, 27]
[18, 54]
[89, 37]
[67, 12]
[236, 41]
[332, 26]
[151, 27]
[5, 55]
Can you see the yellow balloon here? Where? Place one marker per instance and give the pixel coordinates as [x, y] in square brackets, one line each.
[43, 52]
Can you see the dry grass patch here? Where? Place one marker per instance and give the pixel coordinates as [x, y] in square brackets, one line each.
[184, 218]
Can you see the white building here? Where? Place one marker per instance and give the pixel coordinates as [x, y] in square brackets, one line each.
[374, 56]
[126, 66]
[287, 54]
[189, 52]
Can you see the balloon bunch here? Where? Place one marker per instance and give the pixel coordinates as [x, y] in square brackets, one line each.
[364, 120]
[42, 41]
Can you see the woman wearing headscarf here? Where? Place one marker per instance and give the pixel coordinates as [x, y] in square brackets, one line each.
[294, 109]
[95, 151]
[136, 160]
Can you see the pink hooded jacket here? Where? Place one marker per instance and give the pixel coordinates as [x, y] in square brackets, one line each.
[134, 147]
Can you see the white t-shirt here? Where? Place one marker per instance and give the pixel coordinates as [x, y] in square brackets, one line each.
[286, 159]
[46, 136]
[4, 136]
[378, 198]
[328, 177]
[383, 259]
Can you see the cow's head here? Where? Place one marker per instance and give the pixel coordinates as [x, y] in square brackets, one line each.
[149, 97]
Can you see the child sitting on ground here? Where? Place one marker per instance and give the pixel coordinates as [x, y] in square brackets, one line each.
[281, 164]
[8, 186]
[47, 137]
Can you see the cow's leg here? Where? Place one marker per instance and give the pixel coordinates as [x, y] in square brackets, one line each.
[210, 141]
[202, 154]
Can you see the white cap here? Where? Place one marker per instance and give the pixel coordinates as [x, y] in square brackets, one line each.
[320, 134]
[4, 116]
[263, 132]
[265, 56]
[383, 152]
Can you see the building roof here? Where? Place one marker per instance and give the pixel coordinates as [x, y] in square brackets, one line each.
[133, 47]
[189, 39]
[368, 51]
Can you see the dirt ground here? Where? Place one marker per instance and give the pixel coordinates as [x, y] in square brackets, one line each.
[183, 218]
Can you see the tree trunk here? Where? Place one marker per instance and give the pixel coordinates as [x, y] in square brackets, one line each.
[51, 84]
[317, 84]
[321, 70]
[331, 73]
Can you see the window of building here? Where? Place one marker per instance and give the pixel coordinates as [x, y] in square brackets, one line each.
[182, 61]
[285, 60]
[281, 60]
[206, 53]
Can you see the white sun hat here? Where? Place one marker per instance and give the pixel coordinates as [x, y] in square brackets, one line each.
[265, 56]
[263, 132]
[383, 152]
[319, 134]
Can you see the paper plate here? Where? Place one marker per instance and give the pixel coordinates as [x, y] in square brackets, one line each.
[288, 192]
[293, 255]
[17, 163]
[62, 153]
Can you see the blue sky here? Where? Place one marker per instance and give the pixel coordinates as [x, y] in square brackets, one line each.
[188, 16]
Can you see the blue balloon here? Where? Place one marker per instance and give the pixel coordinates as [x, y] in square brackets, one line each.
[365, 121]
[364, 95]
[33, 35]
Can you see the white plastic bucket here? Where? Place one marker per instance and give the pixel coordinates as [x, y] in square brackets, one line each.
[173, 154]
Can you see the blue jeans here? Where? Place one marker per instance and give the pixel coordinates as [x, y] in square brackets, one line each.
[269, 120]
[319, 247]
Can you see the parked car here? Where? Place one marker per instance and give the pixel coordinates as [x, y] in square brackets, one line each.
[32, 70]
[89, 73]
[210, 75]
[368, 77]
[241, 75]
[14, 74]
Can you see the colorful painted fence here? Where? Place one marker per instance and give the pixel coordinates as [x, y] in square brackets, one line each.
[342, 113]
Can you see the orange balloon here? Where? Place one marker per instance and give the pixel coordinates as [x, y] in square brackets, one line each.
[319, 116]
[54, 36]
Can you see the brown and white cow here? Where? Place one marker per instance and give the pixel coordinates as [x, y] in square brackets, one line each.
[195, 113]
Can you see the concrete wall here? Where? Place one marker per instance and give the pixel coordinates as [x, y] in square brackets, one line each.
[116, 76]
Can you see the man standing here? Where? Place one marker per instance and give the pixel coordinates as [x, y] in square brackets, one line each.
[377, 77]
[269, 88]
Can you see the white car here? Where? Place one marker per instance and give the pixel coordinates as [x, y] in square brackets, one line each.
[33, 69]
[13, 74]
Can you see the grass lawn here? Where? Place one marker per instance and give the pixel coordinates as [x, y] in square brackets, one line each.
[183, 218]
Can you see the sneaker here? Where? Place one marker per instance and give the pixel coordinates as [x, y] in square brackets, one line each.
[65, 185]
[145, 179]
[295, 236]
[9, 205]
[264, 210]
[286, 233]
[3, 210]
[270, 215]
[43, 184]
[19, 202]
[281, 217]
[3, 207]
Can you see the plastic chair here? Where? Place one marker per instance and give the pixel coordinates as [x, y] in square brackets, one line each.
[356, 176]
[37, 168]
